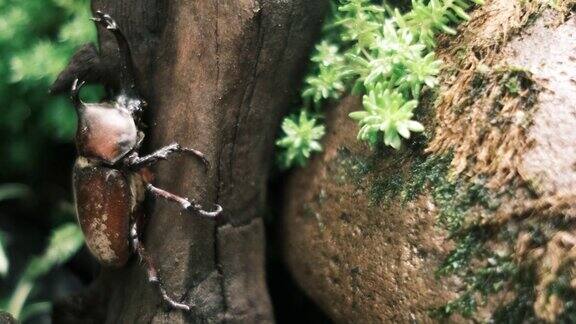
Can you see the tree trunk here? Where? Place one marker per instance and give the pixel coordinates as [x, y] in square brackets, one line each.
[218, 76]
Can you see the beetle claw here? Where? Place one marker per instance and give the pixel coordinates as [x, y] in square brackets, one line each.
[177, 305]
[206, 213]
[171, 302]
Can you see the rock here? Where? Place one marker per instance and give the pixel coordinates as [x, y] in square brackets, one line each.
[366, 253]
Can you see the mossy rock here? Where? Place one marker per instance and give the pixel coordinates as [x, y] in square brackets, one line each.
[471, 219]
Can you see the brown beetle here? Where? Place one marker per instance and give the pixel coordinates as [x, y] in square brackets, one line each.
[110, 179]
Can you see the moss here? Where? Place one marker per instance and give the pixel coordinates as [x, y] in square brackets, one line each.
[484, 270]
[521, 308]
[461, 53]
[479, 113]
[480, 283]
[563, 288]
[432, 171]
[513, 85]
[460, 204]
[351, 167]
[386, 188]
[468, 247]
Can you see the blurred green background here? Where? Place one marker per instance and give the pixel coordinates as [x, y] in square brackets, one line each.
[38, 235]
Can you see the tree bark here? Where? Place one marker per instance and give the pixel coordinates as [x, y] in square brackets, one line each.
[218, 76]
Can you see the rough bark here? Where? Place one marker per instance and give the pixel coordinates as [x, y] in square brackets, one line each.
[365, 255]
[218, 76]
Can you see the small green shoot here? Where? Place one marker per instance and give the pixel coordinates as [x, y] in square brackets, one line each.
[301, 135]
[387, 113]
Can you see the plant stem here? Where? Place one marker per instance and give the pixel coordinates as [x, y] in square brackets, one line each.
[19, 297]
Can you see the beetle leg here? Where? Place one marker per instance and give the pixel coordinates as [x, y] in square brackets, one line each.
[151, 269]
[184, 202]
[137, 162]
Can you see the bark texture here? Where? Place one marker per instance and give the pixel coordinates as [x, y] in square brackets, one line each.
[218, 76]
[365, 255]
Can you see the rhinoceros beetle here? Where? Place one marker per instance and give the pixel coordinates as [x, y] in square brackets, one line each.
[110, 178]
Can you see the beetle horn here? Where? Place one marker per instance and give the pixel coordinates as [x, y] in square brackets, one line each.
[75, 92]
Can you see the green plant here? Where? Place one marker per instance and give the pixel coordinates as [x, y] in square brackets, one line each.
[387, 113]
[9, 191]
[4, 263]
[384, 55]
[63, 244]
[329, 80]
[37, 37]
[301, 139]
[427, 18]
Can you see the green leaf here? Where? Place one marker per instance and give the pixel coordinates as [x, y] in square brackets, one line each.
[35, 309]
[386, 111]
[13, 191]
[64, 242]
[4, 263]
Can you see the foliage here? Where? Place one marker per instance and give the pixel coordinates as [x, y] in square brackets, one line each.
[386, 112]
[428, 18]
[64, 243]
[302, 135]
[9, 191]
[328, 82]
[13, 190]
[385, 55]
[4, 263]
[37, 37]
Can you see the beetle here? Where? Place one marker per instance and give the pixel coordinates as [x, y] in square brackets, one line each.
[109, 177]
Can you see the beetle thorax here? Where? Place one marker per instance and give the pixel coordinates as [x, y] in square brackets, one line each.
[131, 103]
[106, 132]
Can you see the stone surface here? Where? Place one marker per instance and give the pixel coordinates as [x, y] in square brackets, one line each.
[361, 261]
[372, 262]
[549, 52]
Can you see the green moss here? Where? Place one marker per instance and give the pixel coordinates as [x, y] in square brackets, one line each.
[480, 283]
[515, 80]
[483, 269]
[521, 308]
[460, 205]
[563, 289]
[513, 86]
[461, 53]
[351, 167]
[386, 189]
